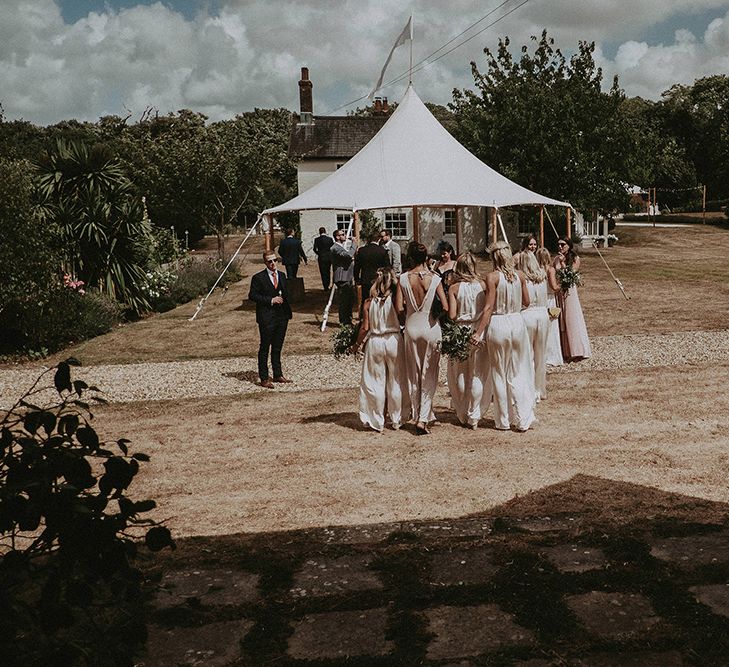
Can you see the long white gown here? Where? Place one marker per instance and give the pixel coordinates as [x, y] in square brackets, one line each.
[536, 320]
[383, 368]
[554, 346]
[422, 356]
[469, 381]
[512, 372]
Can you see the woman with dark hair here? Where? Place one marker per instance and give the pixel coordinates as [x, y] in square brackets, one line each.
[446, 263]
[554, 348]
[528, 244]
[572, 329]
[418, 288]
[383, 370]
[512, 371]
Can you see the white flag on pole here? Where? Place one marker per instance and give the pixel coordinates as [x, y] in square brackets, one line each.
[405, 35]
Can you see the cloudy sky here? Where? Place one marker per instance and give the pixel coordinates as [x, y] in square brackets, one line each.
[84, 59]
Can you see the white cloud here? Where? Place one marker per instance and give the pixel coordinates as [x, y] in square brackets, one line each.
[250, 53]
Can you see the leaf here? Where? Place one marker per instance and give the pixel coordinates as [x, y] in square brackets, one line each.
[32, 421]
[158, 538]
[62, 378]
[48, 422]
[123, 446]
[79, 386]
[88, 438]
[68, 424]
[139, 456]
[144, 505]
[72, 361]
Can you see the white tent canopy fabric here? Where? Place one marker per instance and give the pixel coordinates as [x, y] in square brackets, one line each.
[412, 161]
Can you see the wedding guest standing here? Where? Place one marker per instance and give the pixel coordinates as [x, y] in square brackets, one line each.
[469, 381]
[446, 263]
[322, 249]
[528, 243]
[291, 252]
[512, 374]
[418, 288]
[536, 318]
[393, 251]
[553, 355]
[367, 260]
[343, 264]
[273, 312]
[383, 368]
[572, 328]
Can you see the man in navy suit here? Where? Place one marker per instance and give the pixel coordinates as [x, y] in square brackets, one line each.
[273, 312]
[292, 252]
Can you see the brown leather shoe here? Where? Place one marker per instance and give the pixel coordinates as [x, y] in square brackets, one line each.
[267, 384]
[283, 380]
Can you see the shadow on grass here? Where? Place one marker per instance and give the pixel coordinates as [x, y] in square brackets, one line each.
[587, 571]
[348, 420]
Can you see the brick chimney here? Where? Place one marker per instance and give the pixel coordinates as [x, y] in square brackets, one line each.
[306, 105]
[377, 111]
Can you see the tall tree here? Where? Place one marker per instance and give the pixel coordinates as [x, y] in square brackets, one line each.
[545, 122]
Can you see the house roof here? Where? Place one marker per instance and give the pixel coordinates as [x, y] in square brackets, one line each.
[413, 161]
[333, 136]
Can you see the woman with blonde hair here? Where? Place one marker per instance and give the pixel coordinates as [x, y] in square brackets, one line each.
[419, 287]
[536, 319]
[383, 370]
[469, 381]
[512, 373]
[553, 355]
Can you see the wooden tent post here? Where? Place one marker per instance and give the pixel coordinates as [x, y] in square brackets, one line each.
[268, 240]
[541, 226]
[492, 224]
[356, 228]
[416, 225]
[459, 217]
[569, 223]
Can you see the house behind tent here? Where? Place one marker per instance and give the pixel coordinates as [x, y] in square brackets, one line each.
[322, 144]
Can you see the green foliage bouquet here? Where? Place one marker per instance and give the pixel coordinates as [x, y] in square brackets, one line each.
[568, 278]
[343, 339]
[455, 340]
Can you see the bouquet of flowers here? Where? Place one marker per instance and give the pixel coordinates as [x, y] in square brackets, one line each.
[568, 278]
[455, 340]
[343, 339]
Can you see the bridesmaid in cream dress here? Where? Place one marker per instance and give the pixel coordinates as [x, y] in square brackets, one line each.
[383, 368]
[418, 288]
[469, 381]
[536, 319]
[554, 347]
[572, 328]
[512, 373]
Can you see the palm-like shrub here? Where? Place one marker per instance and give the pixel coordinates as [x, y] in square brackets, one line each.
[105, 235]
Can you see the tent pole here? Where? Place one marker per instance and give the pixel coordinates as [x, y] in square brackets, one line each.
[235, 254]
[325, 316]
[416, 225]
[492, 223]
[501, 226]
[541, 225]
[569, 223]
[268, 231]
[459, 217]
[355, 219]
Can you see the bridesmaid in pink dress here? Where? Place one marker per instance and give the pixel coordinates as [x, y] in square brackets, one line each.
[572, 328]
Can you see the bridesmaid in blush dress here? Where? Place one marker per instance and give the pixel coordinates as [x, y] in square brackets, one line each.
[469, 381]
[572, 328]
[418, 288]
[536, 319]
[383, 369]
[554, 347]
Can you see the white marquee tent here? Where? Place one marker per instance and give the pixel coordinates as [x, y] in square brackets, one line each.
[413, 161]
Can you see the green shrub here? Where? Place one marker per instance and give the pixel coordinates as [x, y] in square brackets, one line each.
[61, 317]
[69, 593]
[195, 278]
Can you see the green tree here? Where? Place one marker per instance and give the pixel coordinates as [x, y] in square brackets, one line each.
[104, 233]
[544, 122]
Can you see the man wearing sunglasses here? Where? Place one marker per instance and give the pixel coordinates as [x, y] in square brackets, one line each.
[273, 312]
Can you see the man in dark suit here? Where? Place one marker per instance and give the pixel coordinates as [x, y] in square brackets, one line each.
[322, 249]
[270, 294]
[368, 259]
[291, 252]
[343, 275]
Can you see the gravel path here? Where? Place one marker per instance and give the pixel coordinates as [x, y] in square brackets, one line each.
[225, 377]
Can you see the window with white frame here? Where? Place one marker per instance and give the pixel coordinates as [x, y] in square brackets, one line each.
[343, 220]
[397, 225]
[449, 221]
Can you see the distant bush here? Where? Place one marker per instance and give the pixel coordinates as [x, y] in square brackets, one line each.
[195, 278]
[61, 317]
[711, 219]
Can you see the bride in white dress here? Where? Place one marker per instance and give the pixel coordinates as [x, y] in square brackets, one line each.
[383, 368]
[554, 347]
[512, 373]
[469, 381]
[418, 288]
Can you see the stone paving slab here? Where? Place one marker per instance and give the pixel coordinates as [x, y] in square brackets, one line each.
[714, 596]
[334, 576]
[462, 567]
[692, 550]
[212, 645]
[340, 634]
[471, 631]
[211, 587]
[614, 616]
[575, 558]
